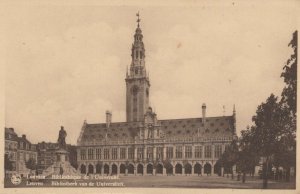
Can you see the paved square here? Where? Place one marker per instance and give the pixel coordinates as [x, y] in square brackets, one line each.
[200, 182]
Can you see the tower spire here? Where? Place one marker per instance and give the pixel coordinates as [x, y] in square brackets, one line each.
[138, 20]
[137, 82]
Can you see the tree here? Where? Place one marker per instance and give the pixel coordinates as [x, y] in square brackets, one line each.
[273, 136]
[229, 158]
[247, 156]
[289, 93]
[31, 164]
[267, 131]
[286, 155]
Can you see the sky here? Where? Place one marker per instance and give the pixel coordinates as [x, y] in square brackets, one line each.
[67, 62]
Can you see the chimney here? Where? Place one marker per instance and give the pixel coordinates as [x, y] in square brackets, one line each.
[24, 136]
[108, 118]
[234, 120]
[203, 113]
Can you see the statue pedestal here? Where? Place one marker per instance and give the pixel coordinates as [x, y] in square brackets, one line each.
[61, 166]
[62, 155]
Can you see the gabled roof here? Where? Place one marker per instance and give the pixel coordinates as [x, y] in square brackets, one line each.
[190, 127]
[115, 131]
[213, 126]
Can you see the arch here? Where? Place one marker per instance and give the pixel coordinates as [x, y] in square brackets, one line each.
[159, 169]
[122, 169]
[91, 169]
[207, 168]
[106, 169]
[149, 169]
[217, 168]
[130, 169]
[197, 168]
[98, 168]
[178, 169]
[188, 168]
[83, 169]
[169, 169]
[140, 169]
[114, 169]
[227, 170]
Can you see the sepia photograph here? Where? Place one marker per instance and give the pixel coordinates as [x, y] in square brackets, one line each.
[184, 95]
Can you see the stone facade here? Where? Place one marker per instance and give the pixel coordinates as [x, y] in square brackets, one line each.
[20, 150]
[144, 145]
[11, 148]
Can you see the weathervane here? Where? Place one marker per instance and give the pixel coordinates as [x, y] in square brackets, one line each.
[138, 20]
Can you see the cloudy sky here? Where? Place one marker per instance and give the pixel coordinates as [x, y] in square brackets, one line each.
[67, 63]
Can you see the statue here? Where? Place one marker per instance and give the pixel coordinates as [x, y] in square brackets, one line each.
[62, 138]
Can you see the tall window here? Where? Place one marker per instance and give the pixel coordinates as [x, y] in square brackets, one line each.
[106, 153]
[218, 151]
[207, 151]
[169, 152]
[159, 152]
[114, 152]
[227, 147]
[98, 153]
[140, 153]
[188, 151]
[134, 108]
[90, 154]
[130, 153]
[198, 151]
[150, 152]
[178, 151]
[82, 154]
[122, 153]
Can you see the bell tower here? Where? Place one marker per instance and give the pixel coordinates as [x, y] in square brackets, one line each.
[137, 81]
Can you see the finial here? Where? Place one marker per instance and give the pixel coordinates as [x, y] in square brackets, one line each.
[138, 20]
[233, 108]
[223, 110]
